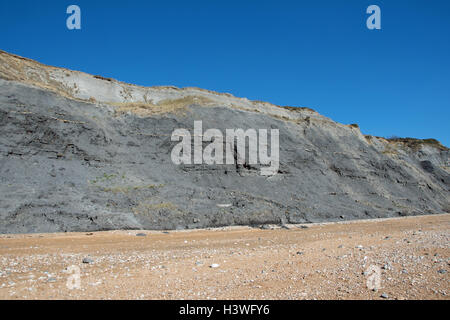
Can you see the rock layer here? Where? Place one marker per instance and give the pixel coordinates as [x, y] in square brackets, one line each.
[83, 153]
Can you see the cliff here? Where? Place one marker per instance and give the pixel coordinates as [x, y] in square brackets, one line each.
[80, 153]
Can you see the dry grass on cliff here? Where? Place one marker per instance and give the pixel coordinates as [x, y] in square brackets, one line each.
[16, 68]
[176, 106]
[416, 144]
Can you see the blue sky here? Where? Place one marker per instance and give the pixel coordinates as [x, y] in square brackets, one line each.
[318, 54]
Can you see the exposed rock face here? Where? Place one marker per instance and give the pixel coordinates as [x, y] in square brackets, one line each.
[84, 153]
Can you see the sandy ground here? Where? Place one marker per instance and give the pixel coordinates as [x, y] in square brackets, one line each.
[409, 256]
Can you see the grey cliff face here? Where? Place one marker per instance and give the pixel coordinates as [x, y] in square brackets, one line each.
[83, 153]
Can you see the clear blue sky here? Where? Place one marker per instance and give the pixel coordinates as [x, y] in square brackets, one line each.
[317, 53]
